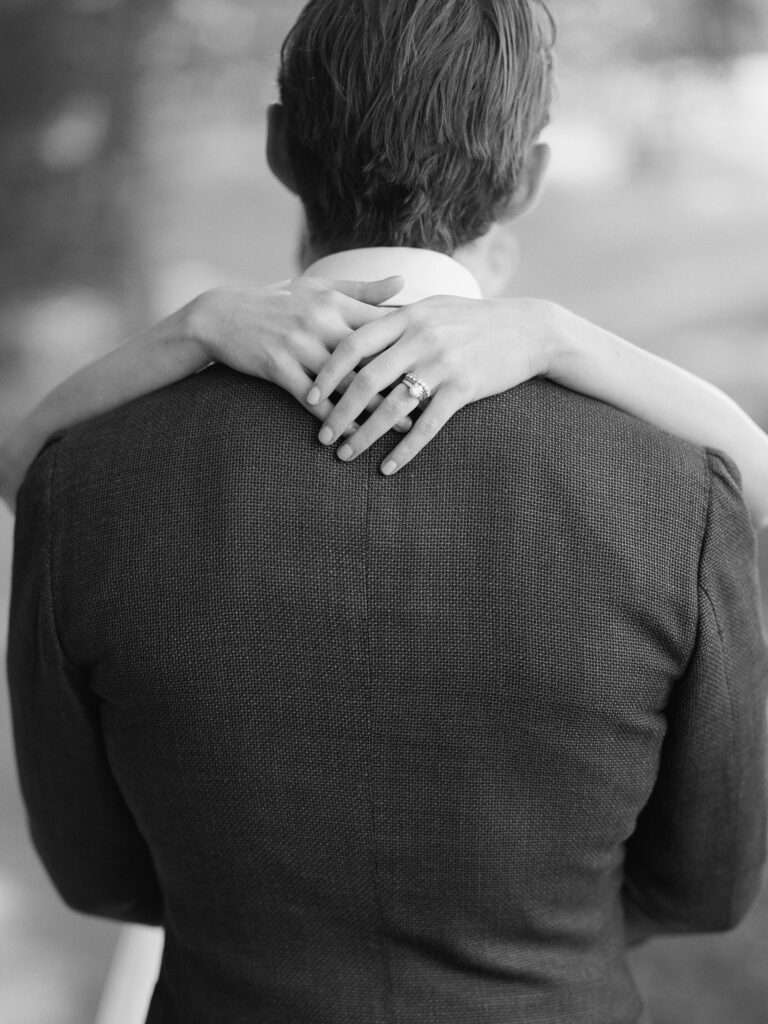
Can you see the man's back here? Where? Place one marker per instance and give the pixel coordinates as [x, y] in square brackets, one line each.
[386, 741]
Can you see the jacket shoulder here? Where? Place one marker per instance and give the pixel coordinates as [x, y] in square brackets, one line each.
[595, 448]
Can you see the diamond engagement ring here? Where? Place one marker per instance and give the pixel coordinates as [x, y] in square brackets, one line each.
[418, 389]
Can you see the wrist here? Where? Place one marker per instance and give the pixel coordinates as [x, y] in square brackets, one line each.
[200, 324]
[544, 328]
[565, 345]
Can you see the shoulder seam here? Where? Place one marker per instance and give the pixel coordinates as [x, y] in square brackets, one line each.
[727, 681]
[700, 558]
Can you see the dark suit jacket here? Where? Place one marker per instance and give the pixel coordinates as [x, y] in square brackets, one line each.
[389, 750]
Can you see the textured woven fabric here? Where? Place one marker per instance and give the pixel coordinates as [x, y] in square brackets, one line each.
[389, 751]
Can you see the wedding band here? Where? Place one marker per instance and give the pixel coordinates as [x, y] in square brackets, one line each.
[418, 389]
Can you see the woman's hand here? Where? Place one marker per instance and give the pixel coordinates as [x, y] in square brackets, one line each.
[467, 349]
[282, 333]
[285, 333]
[463, 349]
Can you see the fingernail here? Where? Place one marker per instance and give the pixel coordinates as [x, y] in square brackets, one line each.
[346, 453]
[389, 468]
[325, 436]
[314, 396]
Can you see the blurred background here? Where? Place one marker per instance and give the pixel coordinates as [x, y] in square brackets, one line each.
[132, 177]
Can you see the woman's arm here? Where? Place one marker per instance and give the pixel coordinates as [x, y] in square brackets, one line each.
[164, 354]
[466, 350]
[281, 333]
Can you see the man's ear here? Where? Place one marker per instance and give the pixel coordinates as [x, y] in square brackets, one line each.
[277, 148]
[531, 179]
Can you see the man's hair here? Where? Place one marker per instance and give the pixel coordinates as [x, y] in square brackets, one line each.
[409, 121]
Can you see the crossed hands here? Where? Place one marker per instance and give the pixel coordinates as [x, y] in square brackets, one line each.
[341, 353]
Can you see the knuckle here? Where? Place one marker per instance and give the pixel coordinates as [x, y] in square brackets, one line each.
[305, 320]
[418, 314]
[273, 364]
[348, 348]
[324, 302]
[315, 314]
[296, 337]
[318, 318]
[351, 399]
[325, 324]
[364, 380]
[461, 388]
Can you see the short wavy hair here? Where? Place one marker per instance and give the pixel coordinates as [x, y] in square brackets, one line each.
[408, 121]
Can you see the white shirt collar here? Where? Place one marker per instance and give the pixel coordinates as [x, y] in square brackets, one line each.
[426, 272]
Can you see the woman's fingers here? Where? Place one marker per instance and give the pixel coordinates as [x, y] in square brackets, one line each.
[441, 408]
[394, 409]
[305, 349]
[371, 292]
[375, 378]
[331, 313]
[357, 314]
[365, 343]
[293, 378]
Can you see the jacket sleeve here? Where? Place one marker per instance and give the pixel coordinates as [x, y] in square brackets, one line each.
[695, 860]
[79, 822]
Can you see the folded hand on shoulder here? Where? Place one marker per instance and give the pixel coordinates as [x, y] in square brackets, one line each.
[463, 350]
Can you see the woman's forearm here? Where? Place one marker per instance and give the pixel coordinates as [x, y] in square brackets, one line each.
[605, 366]
[280, 333]
[168, 352]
